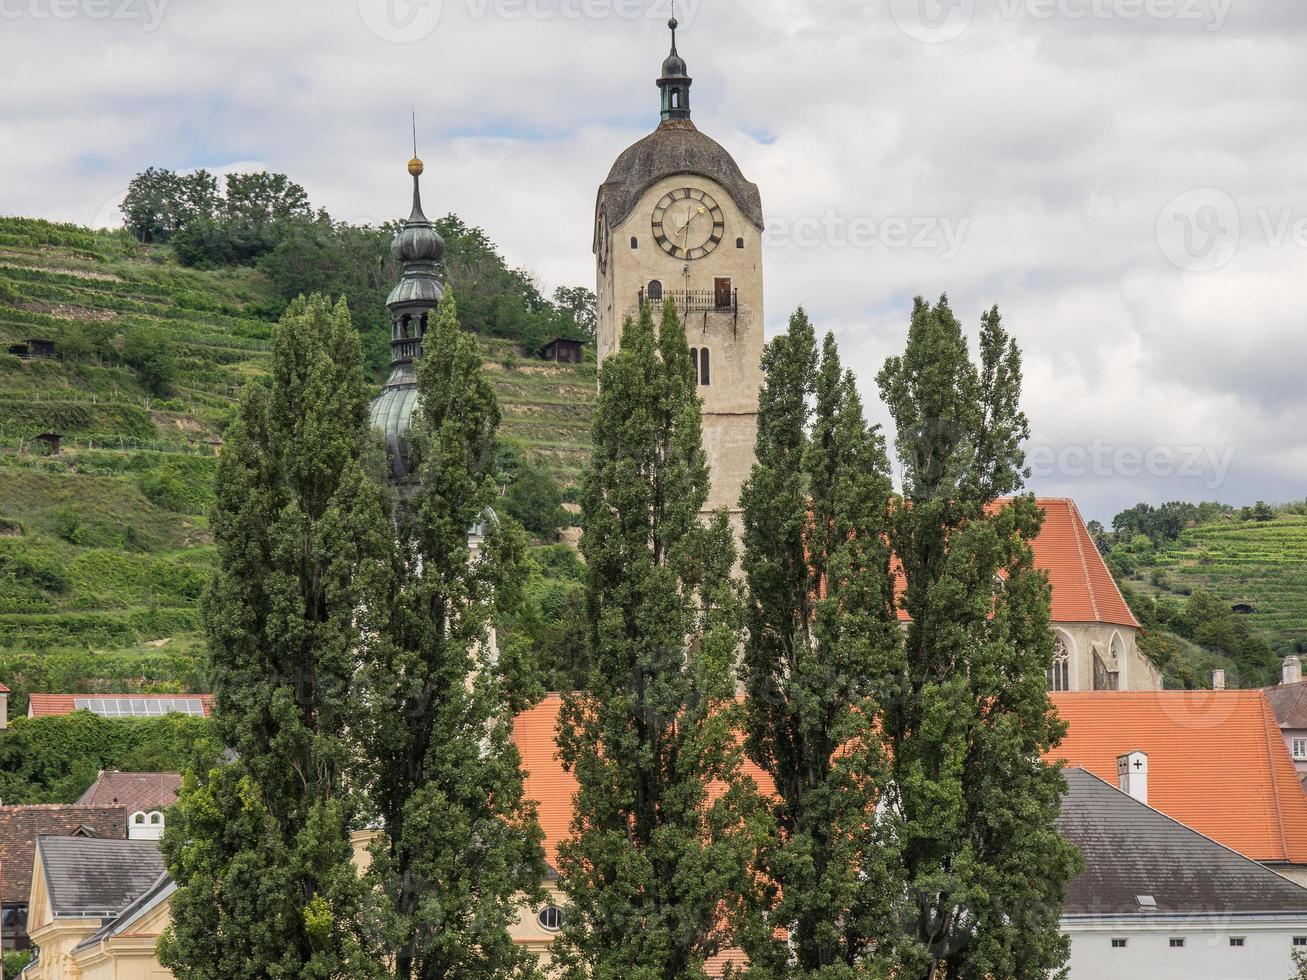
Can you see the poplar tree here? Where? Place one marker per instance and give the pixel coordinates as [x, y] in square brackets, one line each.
[260, 847]
[655, 855]
[823, 634]
[967, 717]
[459, 855]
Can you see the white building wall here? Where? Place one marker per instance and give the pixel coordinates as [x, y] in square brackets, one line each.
[1206, 954]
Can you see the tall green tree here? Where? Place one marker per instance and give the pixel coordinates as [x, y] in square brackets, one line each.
[655, 855]
[967, 718]
[260, 847]
[823, 636]
[460, 854]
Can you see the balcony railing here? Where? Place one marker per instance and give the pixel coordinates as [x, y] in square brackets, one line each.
[696, 300]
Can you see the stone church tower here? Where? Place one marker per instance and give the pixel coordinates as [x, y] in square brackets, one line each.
[677, 219]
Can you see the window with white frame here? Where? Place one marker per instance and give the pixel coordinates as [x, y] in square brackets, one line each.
[1300, 748]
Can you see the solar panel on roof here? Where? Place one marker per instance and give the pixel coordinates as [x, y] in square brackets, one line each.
[139, 707]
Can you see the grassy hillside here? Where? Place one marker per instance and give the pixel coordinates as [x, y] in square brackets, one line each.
[104, 547]
[1257, 564]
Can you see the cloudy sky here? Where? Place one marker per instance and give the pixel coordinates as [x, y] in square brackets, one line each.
[1126, 179]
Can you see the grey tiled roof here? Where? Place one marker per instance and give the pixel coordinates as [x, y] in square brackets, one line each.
[675, 147]
[1289, 702]
[160, 890]
[1132, 850]
[90, 877]
[20, 826]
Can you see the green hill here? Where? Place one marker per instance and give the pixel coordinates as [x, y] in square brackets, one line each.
[104, 547]
[1258, 566]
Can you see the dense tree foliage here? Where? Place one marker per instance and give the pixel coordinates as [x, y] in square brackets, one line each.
[654, 855]
[459, 856]
[823, 639]
[54, 759]
[966, 717]
[534, 500]
[260, 847]
[267, 219]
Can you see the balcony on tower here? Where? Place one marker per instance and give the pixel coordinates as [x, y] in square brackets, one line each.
[722, 298]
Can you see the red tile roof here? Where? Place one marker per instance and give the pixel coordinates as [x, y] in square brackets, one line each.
[134, 790]
[39, 705]
[1083, 589]
[1216, 759]
[21, 825]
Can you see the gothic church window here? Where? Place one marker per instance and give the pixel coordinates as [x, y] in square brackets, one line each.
[655, 291]
[1059, 673]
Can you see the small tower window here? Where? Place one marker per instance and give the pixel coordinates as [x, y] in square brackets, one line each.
[739, 243]
[635, 242]
[422, 326]
[676, 98]
[704, 378]
[405, 326]
[694, 361]
[655, 291]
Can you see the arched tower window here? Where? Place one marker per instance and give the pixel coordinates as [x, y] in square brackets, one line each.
[1059, 672]
[694, 360]
[422, 325]
[704, 376]
[655, 291]
[635, 242]
[739, 243]
[405, 325]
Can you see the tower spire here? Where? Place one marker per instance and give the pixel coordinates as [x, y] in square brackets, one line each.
[675, 80]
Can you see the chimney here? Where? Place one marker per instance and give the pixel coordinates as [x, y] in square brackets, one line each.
[1132, 775]
[1291, 673]
[1218, 680]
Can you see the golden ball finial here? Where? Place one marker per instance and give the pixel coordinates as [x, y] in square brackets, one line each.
[415, 167]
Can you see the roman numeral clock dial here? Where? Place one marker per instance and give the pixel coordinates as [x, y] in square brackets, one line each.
[688, 223]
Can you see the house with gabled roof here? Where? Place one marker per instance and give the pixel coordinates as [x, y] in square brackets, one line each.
[146, 796]
[97, 908]
[20, 827]
[1217, 762]
[1159, 899]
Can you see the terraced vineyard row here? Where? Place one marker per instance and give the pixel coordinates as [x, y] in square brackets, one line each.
[1261, 565]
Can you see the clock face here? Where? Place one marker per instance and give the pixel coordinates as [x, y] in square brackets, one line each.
[688, 223]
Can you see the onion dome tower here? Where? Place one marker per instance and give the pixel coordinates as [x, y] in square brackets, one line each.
[675, 82]
[412, 303]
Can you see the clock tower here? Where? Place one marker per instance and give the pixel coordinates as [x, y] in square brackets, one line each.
[676, 219]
